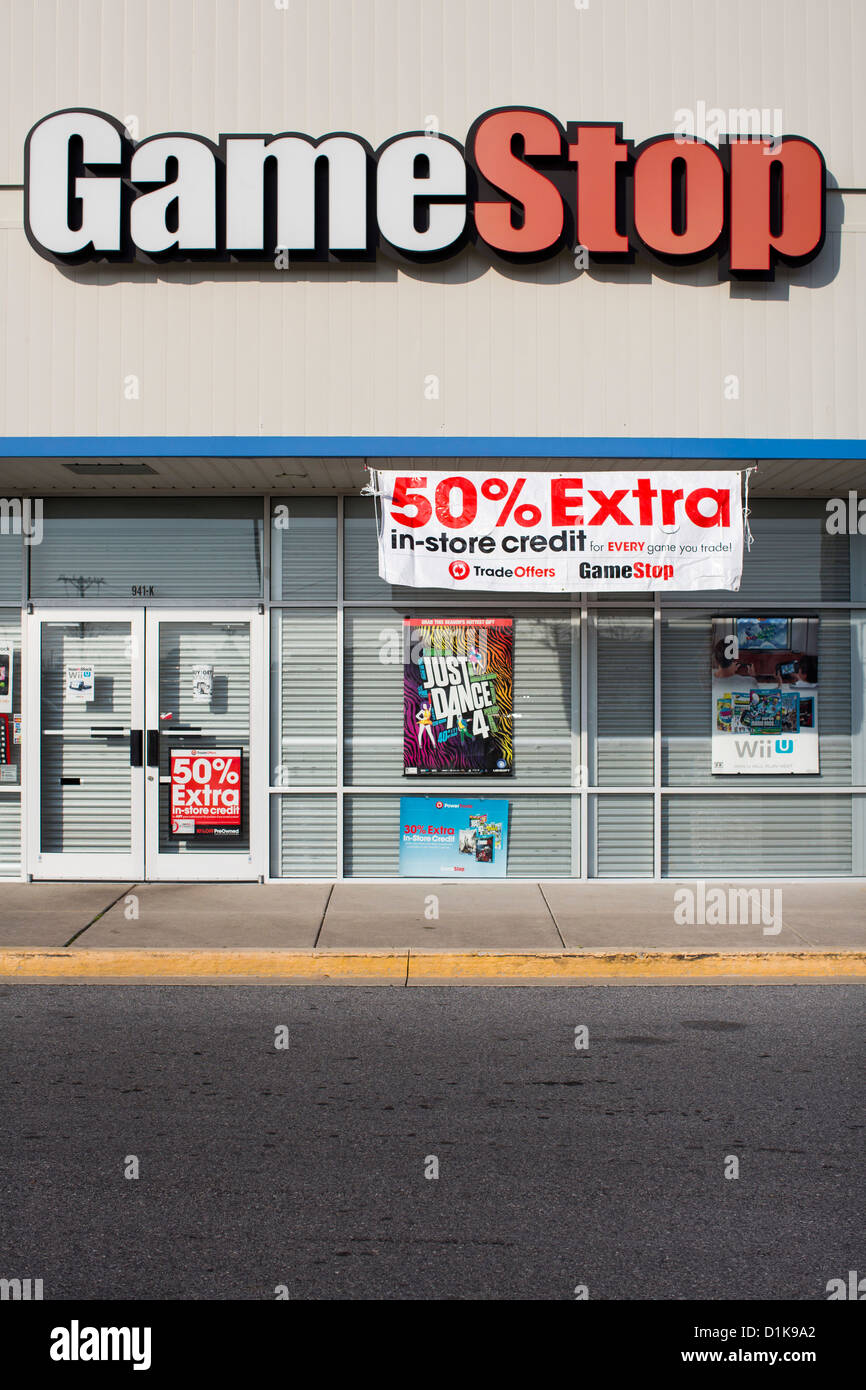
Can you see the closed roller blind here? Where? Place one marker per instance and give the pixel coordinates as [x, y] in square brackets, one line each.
[306, 836]
[11, 548]
[371, 837]
[543, 690]
[10, 835]
[224, 720]
[304, 548]
[539, 836]
[99, 549]
[792, 559]
[794, 837]
[304, 686]
[624, 699]
[686, 705]
[623, 836]
[10, 798]
[85, 774]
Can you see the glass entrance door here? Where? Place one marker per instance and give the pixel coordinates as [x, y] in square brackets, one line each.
[204, 731]
[144, 737]
[85, 745]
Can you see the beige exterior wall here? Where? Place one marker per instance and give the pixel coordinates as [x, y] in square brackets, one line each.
[544, 350]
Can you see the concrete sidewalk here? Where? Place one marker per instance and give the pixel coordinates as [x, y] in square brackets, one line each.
[550, 916]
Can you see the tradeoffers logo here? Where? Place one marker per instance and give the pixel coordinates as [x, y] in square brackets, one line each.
[458, 569]
[523, 187]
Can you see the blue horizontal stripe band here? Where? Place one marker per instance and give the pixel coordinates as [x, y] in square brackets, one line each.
[410, 446]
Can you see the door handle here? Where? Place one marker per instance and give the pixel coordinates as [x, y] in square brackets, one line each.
[136, 747]
[153, 747]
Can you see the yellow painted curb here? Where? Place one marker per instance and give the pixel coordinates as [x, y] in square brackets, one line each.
[686, 965]
[401, 967]
[386, 967]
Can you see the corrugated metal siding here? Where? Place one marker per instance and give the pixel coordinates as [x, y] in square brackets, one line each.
[624, 699]
[623, 836]
[306, 836]
[339, 350]
[220, 352]
[380, 66]
[792, 836]
[687, 708]
[305, 646]
[373, 696]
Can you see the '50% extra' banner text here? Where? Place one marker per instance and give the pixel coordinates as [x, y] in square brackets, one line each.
[561, 532]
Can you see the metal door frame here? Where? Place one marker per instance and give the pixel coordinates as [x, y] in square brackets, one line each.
[80, 866]
[218, 865]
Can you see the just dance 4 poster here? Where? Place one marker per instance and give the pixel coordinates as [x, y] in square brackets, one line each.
[457, 697]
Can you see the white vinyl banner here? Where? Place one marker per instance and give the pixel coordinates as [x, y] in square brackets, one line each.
[561, 532]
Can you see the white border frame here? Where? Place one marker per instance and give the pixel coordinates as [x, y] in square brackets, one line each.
[102, 866]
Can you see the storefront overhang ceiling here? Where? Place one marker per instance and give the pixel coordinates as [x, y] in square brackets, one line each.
[225, 476]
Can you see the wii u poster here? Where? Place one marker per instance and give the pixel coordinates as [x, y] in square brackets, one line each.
[458, 697]
[764, 692]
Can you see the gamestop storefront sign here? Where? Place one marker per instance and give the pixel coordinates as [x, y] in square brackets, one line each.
[522, 188]
[561, 533]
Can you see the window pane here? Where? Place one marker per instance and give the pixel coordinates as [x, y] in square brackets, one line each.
[545, 699]
[304, 548]
[11, 550]
[687, 711]
[304, 836]
[623, 708]
[304, 697]
[792, 836]
[148, 550]
[623, 836]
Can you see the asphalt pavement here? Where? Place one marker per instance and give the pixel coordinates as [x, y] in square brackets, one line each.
[308, 1170]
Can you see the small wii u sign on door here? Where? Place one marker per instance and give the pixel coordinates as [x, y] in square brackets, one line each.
[79, 685]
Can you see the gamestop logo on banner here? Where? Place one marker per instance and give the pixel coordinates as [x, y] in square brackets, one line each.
[561, 533]
[206, 791]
